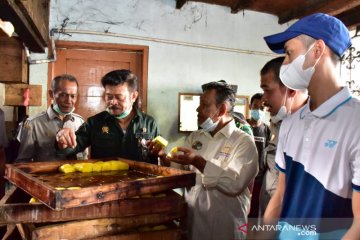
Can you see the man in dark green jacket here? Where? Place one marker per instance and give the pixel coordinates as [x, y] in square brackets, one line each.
[120, 131]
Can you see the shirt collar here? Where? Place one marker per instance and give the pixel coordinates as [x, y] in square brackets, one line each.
[329, 106]
[51, 113]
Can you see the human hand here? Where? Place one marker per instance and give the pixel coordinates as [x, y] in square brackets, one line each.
[66, 138]
[187, 157]
[156, 149]
[182, 155]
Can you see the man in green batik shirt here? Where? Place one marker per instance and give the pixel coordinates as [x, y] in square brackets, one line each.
[122, 130]
[241, 123]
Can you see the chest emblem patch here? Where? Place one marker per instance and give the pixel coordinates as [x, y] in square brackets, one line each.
[105, 129]
[197, 145]
[225, 152]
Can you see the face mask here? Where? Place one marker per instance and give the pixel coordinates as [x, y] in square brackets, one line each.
[294, 76]
[57, 109]
[257, 114]
[282, 113]
[124, 114]
[209, 125]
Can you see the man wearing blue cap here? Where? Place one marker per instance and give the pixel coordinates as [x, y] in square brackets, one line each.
[318, 153]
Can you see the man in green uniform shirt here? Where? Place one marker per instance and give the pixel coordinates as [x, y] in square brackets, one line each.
[120, 131]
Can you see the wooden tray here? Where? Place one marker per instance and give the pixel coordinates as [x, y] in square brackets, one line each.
[167, 234]
[105, 229]
[14, 208]
[40, 179]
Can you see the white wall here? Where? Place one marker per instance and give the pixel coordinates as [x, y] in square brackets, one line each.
[172, 68]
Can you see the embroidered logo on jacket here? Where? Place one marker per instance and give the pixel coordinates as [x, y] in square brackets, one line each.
[105, 129]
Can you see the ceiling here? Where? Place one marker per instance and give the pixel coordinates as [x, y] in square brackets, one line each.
[346, 10]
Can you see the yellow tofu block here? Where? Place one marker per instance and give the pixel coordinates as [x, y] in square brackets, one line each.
[106, 166]
[78, 166]
[88, 167]
[33, 200]
[83, 167]
[159, 227]
[67, 168]
[97, 166]
[160, 141]
[173, 150]
[73, 188]
[119, 165]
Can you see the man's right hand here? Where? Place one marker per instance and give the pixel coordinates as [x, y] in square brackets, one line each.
[66, 138]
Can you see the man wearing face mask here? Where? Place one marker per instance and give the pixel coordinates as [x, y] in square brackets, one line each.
[318, 153]
[280, 102]
[226, 162]
[38, 133]
[262, 135]
[121, 130]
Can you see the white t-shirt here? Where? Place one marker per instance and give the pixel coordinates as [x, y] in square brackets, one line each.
[319, 152]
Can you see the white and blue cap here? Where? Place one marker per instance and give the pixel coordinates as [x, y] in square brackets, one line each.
[318, 26]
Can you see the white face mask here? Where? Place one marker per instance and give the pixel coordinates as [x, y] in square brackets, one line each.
[124, 114]
[209, 125]
[294, 76]
[282, 113]
[57, 109]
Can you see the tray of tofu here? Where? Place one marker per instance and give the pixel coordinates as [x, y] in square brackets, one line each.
[68, 184]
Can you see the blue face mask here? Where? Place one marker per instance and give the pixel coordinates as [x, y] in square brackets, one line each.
[57, 109]
[123, 115]
[209, 125]
[257, 114]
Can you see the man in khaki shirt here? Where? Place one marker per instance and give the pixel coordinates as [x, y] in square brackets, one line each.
[37, 137]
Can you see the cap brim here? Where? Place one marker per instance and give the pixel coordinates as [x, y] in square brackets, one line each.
[277, 41]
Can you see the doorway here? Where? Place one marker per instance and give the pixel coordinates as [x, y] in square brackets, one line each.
[88, 62]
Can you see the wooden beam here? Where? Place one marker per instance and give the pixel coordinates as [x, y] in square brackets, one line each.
[172, 233]
[180, 3]
[89, 229]
[350, 18]
[332, 7]
[14, 208]
[13, 65]
[22, 15]
[240, 5]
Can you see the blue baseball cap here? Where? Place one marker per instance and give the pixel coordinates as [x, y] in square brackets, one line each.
[318, 26]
